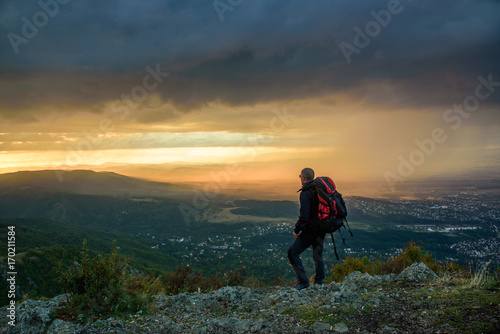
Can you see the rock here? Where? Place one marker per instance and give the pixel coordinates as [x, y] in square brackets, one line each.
[261, 325]
[349, 285]
[202, 330]
[115, 323]
[340, 328]
[59, 326]
[358, 278]
[233, 325]
[33, 316]
[388, 328]
[348, 295]
[334, 286]
[374, 301]
[417, 272]
[325, 308]
[350, 299]
[321, 326]
[383, 278]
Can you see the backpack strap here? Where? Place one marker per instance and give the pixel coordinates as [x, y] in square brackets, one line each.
[343, 239]
[334, 247]
[348, 227]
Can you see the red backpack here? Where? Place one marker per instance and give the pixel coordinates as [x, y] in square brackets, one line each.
[332, 211]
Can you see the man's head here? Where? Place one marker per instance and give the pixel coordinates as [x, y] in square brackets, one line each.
[306, 174]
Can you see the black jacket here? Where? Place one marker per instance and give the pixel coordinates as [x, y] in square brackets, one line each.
[308, 215]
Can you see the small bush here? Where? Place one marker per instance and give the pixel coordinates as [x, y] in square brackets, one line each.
[411, 254]
[234, 277]
[98, 287]
[350, 265]
[394, 265]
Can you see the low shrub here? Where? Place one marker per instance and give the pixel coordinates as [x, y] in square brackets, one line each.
[394, 265]
[98, 286]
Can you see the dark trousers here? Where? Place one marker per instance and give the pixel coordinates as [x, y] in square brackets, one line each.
[306, 239]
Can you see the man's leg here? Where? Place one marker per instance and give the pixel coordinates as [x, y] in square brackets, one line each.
[298, 246]
[319, 263]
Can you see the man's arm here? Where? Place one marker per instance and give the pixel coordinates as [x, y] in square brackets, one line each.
[305, 212]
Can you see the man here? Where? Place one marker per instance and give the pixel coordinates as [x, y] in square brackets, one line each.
[306, 233]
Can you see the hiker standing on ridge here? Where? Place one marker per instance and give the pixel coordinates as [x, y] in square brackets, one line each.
[306, 233]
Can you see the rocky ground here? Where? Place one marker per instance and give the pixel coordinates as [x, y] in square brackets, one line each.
[416, 301]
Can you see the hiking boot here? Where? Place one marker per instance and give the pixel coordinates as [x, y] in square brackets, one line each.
[300, 286]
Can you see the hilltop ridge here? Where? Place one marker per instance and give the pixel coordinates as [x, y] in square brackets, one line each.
[415, 301]
[87, 182]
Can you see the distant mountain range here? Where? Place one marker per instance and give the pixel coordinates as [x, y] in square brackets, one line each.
[107, 201]
[86, 182]
[115, 202]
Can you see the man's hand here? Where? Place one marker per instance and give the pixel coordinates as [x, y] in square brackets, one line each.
[295, 235]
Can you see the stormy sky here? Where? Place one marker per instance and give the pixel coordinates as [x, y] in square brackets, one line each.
[352, 88]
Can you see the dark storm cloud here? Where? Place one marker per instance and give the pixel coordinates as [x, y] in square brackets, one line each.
[425, 53]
